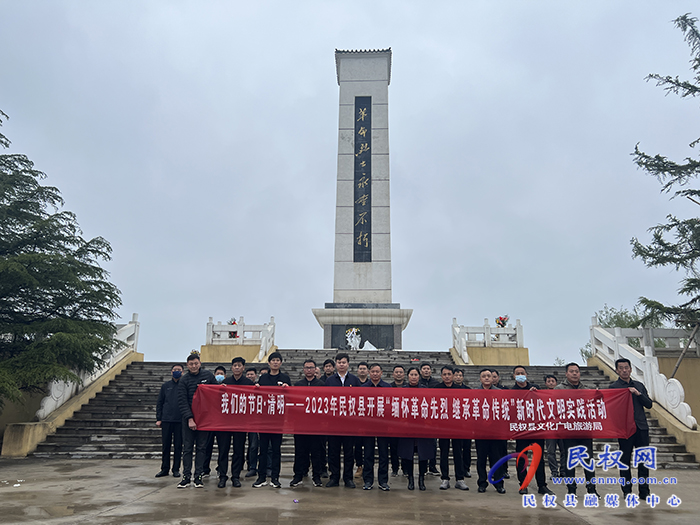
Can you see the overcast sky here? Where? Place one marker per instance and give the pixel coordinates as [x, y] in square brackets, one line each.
[200, 139]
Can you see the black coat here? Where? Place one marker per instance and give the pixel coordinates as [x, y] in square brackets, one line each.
[186, 388]
[167, 407]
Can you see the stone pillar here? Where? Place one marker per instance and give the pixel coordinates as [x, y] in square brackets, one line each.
[362, 262]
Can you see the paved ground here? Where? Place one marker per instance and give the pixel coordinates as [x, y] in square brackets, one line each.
[119, 492]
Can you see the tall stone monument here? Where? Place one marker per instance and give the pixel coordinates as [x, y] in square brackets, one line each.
[362, 273]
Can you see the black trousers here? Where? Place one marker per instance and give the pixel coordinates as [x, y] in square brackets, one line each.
[334, 445]
[190, 439]
[407, 466]
[570, 473]
[456, 458]
[394, 453]
[368, 465]
[488, 449]
[275, 442]
[467, 454]
[540, 476]
[171, 435]
[639, 439]
[223, 441]
[253, 446]
[305, 448]
[359, 453]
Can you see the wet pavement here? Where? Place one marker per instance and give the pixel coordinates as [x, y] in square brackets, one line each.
[61, 491]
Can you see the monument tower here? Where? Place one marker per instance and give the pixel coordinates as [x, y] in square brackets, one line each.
[362, 271]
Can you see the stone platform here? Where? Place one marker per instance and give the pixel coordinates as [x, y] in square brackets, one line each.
[61, 491]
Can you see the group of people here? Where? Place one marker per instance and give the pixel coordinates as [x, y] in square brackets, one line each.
[323, 453]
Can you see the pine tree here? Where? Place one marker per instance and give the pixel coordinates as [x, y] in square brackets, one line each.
[677, 242]
[56, 304]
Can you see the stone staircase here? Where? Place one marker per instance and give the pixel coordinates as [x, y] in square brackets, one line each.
[119, 423]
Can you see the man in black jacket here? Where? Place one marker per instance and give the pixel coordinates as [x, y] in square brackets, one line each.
[273, 378]
[523, 385]
[190, 435]
[169, 420]
[225, 438]
[375, 381]
[341, 378]
[306, 446]
[447, 375]
[640, 401]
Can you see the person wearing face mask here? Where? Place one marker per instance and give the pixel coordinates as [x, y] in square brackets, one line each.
[169, 420]
[522, 384]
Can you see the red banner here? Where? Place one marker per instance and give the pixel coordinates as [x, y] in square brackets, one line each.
[416, 412]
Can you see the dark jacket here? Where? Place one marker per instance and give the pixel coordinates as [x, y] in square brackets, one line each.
[394, 385]
[382, 384]
[639, 403]
[453, 385]
[305, 382]
[428, 383]
[527, 386]
[270, 380]
[350, 380]
[188, 385]
[565, 385]
[243, 380]
[167, 407]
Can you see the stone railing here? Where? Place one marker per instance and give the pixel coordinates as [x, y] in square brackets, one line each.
[611, 344]
[242, 334]
[59, 392]
[485, 336]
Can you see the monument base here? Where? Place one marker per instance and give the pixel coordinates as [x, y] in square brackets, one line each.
[379, 324]
[498, 356]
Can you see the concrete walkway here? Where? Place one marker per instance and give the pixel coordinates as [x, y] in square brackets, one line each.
[55, 491]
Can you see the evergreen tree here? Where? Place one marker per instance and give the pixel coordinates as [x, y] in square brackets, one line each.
[56, 304]
[677, 242]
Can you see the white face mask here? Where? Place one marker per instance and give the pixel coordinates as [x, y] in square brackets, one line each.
[220, 378]
[521, 379]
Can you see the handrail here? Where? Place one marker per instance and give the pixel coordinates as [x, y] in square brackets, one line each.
[59, 392]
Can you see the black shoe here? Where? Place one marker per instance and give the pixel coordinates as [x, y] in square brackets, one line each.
[545, 490]
[349, 484]
[367, 486]
[333, 483]
[251, 473]
[260, 482]
[421, 481]
[592, 490]
[163, 473]
[176, 473]
[222, 483]
[394, 473]
[236, 482]
[411, 483]
[184, 483]
[481, 490]
[206, 473]
[523, 491]
[275, 483]
[467, 474]
[317, 482]
[506, 476]
[296, 481]
[198, 484]
[324, 475]
[433, 471]
[500, 490]
[384, 487]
